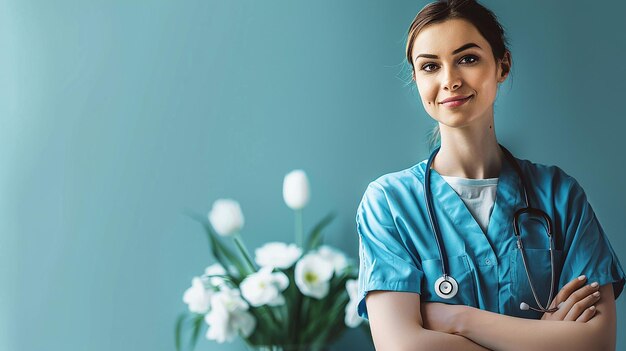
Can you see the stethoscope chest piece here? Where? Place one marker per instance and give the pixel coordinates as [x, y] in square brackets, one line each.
[446, 287]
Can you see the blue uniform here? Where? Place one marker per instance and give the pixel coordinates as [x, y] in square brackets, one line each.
[398, 251]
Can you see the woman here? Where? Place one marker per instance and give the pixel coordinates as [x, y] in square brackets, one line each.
[469, 289]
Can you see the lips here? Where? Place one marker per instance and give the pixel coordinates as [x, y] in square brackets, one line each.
[455, 98]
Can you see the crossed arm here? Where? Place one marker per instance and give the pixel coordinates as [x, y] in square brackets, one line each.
[454, 327]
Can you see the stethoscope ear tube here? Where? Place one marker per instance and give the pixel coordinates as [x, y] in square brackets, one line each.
[531, 211]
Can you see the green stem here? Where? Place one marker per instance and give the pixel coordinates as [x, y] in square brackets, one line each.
[299, 228]
[244, 251]
[303, 317]
[295, 325]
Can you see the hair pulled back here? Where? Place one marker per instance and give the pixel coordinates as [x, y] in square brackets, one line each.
[482, 18]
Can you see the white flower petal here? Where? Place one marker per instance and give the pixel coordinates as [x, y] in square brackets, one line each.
[228, 316]
[278, 301]
[197, 297]
[218, 320]
[338, 258]
[352, 318]
[214, 269]
[318, 291]
[312, 275]
[226, 217]
[245, 323]
[277, 254]
[264, 287]
[352, 288]
[281, 280]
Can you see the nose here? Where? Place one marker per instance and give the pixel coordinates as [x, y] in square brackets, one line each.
[451, 79]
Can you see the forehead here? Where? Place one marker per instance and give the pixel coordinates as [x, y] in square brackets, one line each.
[442, 38]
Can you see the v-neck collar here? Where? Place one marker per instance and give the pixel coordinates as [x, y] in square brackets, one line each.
[508, 200]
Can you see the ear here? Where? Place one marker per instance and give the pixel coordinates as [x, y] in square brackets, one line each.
[505, 66]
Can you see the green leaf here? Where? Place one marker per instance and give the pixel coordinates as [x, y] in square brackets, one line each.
[294, 306]
[178, 330]
[244, 253]
[336, 320]
[221, 253]
[196, 321]
[338, 282]
[314, 238]
[265, 322]
[304, 319]
[320, 325]
[197, 325]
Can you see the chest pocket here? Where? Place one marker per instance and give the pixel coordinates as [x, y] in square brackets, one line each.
[459, 270]
[538, 263]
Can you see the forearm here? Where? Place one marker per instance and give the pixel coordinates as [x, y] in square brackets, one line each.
[426, 339]
[506, 333]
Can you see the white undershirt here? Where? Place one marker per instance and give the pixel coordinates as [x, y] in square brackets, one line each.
[479, 196]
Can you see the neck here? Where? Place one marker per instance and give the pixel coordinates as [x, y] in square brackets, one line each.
[471, 152]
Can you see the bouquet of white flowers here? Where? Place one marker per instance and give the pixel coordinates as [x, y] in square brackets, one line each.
[260, 302]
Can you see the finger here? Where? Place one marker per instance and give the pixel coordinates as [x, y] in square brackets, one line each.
[568, 304]
[561, 298]
[587, 314]
[579, 307]
[579, 295]
[584, 291]
[569, 288]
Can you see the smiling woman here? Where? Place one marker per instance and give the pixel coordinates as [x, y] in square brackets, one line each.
[458, 251]
[438, 76]
[475, 56]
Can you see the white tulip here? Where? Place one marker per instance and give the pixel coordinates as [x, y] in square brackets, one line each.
[336, 257]
[197, 297]
[277, 254]
[226, 217]
[229, 316]
[264, 287]
[352, 318]
[312, 275]
[296, 189]
[213, 269]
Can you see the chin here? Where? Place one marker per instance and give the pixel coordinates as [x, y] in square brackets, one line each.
[456, 120]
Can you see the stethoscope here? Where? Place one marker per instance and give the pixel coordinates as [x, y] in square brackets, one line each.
[446, 286]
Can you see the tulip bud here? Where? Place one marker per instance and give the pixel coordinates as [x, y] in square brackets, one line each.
[226, 217]
[296, 189]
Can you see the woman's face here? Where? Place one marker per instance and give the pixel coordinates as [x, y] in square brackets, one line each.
[469, 71]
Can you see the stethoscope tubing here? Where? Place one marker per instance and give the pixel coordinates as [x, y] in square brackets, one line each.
[440, 246]
[433, 220]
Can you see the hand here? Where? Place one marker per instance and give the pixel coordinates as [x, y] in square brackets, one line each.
[439, 316]
[577, 302]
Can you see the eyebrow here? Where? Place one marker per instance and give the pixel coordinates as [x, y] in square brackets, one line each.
[464, 47]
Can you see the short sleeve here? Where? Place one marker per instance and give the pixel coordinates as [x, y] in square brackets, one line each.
[586, 247]
[385, 263]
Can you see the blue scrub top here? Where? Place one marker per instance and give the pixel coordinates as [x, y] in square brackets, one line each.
[398, 251]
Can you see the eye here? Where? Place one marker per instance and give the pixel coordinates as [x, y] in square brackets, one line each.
[473, 58]
[427, 65]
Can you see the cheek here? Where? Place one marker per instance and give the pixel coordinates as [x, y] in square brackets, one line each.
[487, 84]
[488, 90]
[427, 92]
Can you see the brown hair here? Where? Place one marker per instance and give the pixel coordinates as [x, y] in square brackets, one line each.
[482, 18]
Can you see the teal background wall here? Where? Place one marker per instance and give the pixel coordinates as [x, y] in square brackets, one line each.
[116, 116]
